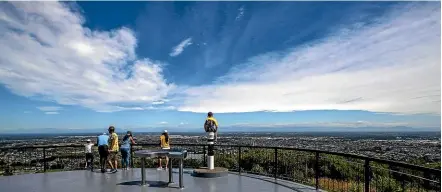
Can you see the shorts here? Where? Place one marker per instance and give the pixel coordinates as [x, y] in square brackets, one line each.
[103, 151]
[113, 155]
[165, 148]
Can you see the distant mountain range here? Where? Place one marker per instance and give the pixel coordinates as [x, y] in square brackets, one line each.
[330, 129]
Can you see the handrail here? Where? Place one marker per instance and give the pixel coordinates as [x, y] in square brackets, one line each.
[367, 168]
[361, 157]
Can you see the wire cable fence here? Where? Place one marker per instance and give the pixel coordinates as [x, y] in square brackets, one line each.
[330, 171]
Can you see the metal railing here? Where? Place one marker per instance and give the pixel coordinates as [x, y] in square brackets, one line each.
[325, 170]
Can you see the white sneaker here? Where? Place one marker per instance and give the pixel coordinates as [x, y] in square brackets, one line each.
[159, 168]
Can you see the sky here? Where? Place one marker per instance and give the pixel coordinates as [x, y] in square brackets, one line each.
[164, 65]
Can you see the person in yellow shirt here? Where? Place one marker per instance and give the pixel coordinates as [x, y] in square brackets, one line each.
[113, 149]
[164, 144]
[211, 124]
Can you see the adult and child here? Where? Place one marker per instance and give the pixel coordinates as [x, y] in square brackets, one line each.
[108, 146]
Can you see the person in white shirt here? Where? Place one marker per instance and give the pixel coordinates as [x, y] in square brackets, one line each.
[89, 155]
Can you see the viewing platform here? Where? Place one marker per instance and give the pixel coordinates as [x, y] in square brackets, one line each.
[129, 181]
[251, 168]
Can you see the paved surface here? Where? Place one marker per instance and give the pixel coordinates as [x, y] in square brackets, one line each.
[128, 181]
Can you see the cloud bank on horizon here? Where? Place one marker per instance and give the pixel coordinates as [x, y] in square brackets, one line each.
[391, 65]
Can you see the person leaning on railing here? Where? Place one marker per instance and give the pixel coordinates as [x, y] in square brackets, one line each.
[125, 150]
[103, 150]
[165, 145]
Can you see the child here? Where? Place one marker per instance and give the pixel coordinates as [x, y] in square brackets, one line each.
[89, 156]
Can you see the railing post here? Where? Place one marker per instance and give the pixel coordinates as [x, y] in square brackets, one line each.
[367, 175]
[239, 160]
[204, 156]
[275, 169]
[131, 156]
[44, 159]
[317, 170]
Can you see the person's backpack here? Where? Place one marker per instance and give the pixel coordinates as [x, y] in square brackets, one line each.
[209, 126]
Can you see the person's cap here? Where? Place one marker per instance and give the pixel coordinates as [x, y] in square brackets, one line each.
[88, 140]
[165, 131]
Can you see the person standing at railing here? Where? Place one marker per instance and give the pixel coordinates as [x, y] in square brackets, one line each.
[165, 145]
[211, 128]
[113, 149]
[102, 142]
[125, 150]
[89, 156]
[211, 125]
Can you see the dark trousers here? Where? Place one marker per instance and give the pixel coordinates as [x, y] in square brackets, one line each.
[103, 151]
[89, 160]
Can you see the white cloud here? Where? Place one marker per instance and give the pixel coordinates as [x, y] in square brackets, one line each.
[27, 112]
[183, 123]
[49, 108]
[51, 113]
[392, 65]
[157, 102]
[163, 122]
[46, 52]
[180, 47]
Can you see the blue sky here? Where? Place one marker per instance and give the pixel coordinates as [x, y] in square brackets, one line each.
[155, 65]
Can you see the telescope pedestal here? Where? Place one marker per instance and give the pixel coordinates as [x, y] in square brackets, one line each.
[210, 171]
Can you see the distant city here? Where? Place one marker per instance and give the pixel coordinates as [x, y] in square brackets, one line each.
[412, 147]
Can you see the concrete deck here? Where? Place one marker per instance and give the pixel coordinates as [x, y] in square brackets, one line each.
[128, 181]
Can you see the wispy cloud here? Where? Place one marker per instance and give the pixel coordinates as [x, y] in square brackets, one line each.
[163, 122]
[49, 108]
[392, 65]
[240, 13]
[51, 113]
[27, 112]
[48, 53]
[180, 47]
